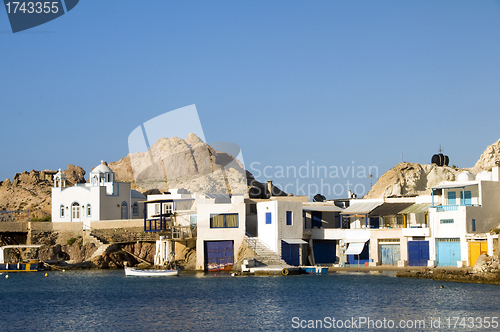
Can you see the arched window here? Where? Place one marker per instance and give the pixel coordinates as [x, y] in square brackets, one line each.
[61, 214]
[89, 210]
[124, 212]
[135, 209]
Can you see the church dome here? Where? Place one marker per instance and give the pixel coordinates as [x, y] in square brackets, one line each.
[102, 168]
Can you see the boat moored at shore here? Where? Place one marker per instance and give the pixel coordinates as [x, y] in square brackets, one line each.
[132, 272]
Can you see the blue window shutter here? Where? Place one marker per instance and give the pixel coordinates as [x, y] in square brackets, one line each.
[268, 217]
[473, 225]
[288, 217]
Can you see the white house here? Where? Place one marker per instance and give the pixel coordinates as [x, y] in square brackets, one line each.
[462, 214]
[220, 231]
[102, 198]
[280, 227]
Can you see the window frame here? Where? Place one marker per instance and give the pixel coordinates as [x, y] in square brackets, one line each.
[269, 218]
[289, 218]
[224, 223]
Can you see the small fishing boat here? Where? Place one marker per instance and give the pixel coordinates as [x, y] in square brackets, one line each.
[314, 269]
[132, 272]
[8, 264]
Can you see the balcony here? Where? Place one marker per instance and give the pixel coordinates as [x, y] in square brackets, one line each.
[446, 208]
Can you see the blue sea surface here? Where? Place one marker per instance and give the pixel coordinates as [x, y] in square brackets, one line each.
[100, 300]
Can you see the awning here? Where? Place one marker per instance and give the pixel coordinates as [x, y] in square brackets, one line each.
[417, 208]
[360, 207]
[294, 241]
[389, 209]
[355, 248]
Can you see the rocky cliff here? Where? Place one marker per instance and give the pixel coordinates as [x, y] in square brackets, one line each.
[32, 191]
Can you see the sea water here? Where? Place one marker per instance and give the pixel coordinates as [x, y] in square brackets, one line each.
[99, 300]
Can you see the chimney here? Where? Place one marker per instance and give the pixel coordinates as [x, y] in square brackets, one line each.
[270, 188]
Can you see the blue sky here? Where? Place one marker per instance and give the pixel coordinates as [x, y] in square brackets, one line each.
[337, 83]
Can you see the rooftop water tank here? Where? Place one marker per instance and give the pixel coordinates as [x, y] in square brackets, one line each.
[484, 176]
[440, 159]
[465, 176]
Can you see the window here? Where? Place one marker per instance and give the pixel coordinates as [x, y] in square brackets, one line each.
[268, 218]
[466, 198]
[288, 217]
[123, 210]
[167, 208]
[224, 220]
[89, 210]
[135, 209]
[473, 225]
[193, 220]
[452, 198]
[62, 211]
[446, 221]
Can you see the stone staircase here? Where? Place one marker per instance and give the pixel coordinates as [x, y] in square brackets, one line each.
[264, 254]
[100, 251]
[91, 237]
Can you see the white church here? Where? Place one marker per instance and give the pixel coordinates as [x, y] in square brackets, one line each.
[101, 198]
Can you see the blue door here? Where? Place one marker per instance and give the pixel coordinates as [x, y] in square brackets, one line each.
[418, 253]
[448, 252]
[390, 254]
[219, 255]
[290, 253]
[324, 251]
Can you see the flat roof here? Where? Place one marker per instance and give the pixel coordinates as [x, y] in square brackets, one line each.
[167, 200]
[21, 246]
[329, 208]
[456, 185]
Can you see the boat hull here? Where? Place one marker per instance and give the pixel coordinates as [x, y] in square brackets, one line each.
[314, 269]
[20, 267]
[131, 272]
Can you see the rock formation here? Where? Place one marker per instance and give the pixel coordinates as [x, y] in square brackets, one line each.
[32, 191]
[190, 164]
[489, 158]
[411, 179]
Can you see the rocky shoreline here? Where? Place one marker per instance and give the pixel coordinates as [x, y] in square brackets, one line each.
[486, 271]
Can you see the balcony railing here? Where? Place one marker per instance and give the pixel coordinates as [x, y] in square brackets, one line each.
[446, 208]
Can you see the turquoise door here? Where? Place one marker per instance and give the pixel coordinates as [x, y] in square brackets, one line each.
[448, 252]
[390, 254]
